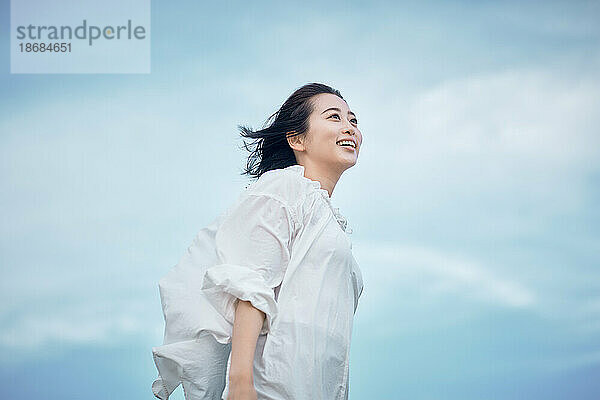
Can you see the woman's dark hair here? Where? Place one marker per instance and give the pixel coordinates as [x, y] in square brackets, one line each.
[270, 148]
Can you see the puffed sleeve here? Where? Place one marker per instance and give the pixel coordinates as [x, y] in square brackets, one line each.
[253, 251]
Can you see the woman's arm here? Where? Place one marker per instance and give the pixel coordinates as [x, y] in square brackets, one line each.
[246, 327]
[258, 221]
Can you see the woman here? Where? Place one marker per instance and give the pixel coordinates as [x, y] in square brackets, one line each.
[262, 304]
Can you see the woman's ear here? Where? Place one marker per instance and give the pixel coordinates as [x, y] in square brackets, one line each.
[296, 142]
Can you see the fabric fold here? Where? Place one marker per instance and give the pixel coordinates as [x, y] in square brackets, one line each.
[272, 247]
[199, 364]
[225, 284]
[243, 255]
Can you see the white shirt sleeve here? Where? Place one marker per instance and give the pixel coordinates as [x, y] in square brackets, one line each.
[253, 251]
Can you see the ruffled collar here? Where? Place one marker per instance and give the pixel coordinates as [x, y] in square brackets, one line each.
[342, 221]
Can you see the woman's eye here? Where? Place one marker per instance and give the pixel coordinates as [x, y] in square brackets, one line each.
[353, 120]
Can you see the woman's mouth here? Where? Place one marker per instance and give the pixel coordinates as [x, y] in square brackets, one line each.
[347, 143]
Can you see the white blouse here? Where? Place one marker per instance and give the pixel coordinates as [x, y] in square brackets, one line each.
[283, 247]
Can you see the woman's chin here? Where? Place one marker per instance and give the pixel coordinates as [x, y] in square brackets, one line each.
[348, 162]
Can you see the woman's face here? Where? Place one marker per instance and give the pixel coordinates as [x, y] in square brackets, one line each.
[330, 123]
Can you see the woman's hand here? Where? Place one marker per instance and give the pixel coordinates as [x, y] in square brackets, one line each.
[241, 389]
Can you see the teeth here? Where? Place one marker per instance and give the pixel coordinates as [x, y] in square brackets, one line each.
[349, 142]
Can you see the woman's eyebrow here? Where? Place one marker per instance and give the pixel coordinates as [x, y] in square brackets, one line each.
[337, 109]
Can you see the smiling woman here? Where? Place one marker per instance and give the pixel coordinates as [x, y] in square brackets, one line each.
[262, 304]
[316, 119]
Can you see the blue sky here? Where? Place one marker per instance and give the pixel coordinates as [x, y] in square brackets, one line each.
[474, 203]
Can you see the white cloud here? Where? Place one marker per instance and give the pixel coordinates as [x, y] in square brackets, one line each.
[490, 174]
[502, 154]
[85, 322]
[438, 276]
[534, 114]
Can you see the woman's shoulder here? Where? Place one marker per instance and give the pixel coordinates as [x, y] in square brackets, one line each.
[288, 185]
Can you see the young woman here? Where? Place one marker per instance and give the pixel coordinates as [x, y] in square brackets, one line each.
[262, 304]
